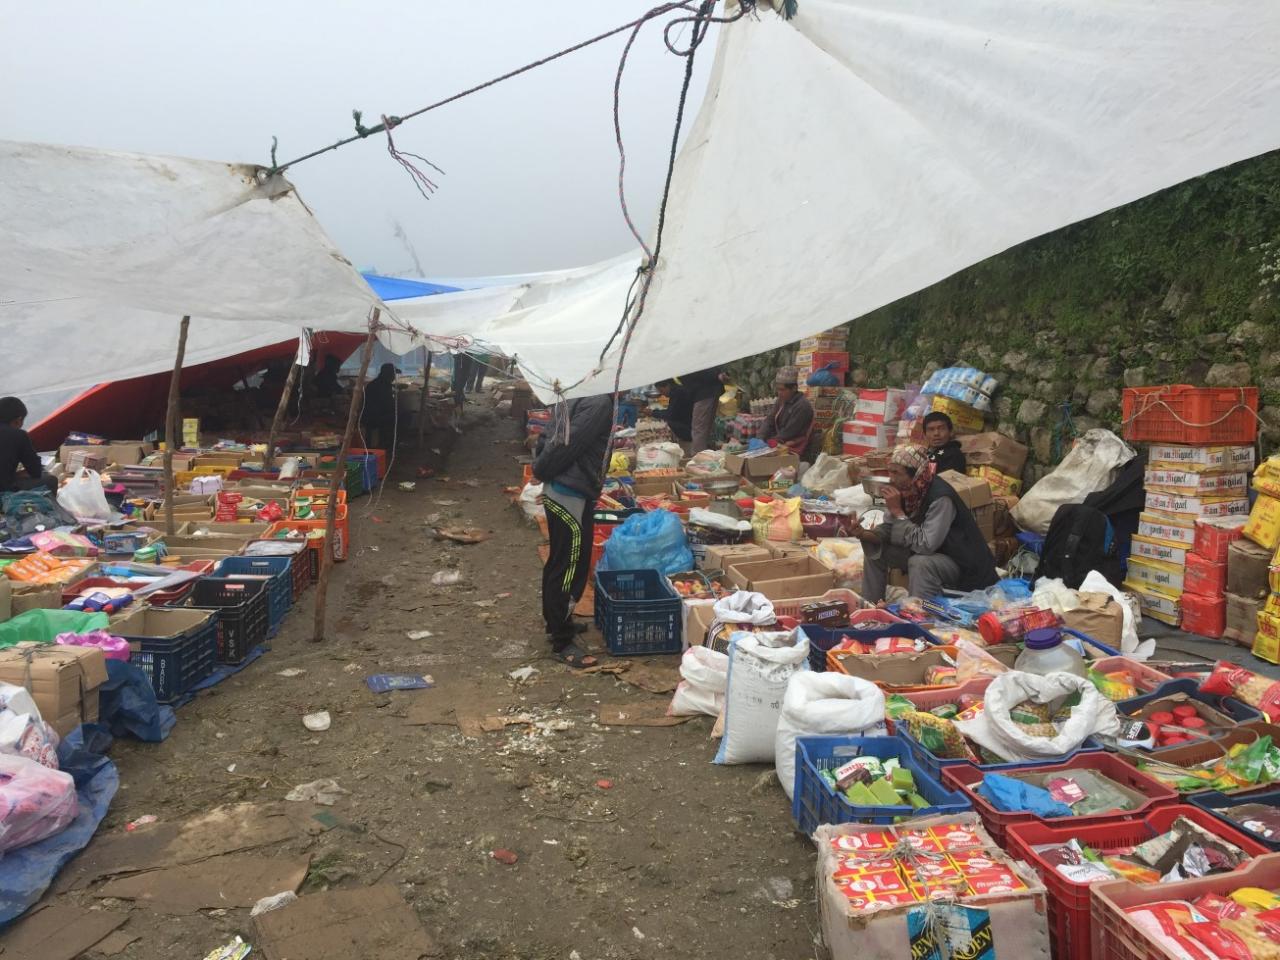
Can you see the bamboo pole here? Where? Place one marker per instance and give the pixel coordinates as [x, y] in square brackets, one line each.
[281, 409]
[171, 424]
[339, 475]
[426, 393]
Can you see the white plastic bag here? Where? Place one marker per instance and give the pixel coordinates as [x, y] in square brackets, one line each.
[1091, 466]
[1052, 594]
[22, 731]
[853, 498]
[658, 456]
[844, 558]
[206, 486]
[760, 667]
[704, 677]
[994, 729]
[35, 801]
[531, 501]
[827, 475]
[83, 498]
[818, 704]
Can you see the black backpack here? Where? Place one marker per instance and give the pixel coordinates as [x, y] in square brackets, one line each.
[1080, 539]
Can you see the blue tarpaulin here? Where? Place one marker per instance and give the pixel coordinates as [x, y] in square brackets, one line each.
[29, 870]
[398, 288]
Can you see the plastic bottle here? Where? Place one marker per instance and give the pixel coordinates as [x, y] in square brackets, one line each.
[1044, 652]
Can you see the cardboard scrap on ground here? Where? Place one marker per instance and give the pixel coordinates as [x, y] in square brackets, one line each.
[58, 932]
[342, 925]
[651, 713]
[226, 829]
[236, 880]
[469, 701]
[115, 943]
[658, 678]
[463, 534]
[474, 724]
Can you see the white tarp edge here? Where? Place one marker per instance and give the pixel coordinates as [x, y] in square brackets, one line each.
[868, 148]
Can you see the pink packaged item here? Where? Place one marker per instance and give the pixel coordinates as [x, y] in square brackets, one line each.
[59, 544]
[35, 802]
[113, 648]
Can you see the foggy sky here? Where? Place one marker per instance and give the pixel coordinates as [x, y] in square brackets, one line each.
[531, 165]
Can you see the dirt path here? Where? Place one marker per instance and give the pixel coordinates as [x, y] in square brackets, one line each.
[630, 842]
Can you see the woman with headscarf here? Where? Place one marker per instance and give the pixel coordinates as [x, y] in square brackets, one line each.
[929, 532]
[378, 418]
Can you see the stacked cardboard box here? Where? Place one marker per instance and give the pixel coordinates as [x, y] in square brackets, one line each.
[875, 421]
[827, 402]
[1263, 529]
[1195, 496]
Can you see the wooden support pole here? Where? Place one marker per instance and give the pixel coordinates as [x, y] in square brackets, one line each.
[339, 476]
[281, 409]
[171, 425]
[426, 393]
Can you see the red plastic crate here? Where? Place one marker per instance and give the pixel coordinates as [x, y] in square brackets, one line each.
[1116, 937]
[1206, 616]
[968, 778]
[1213, 539]
[1189, 755]
[1193, 415]
[1068, 900]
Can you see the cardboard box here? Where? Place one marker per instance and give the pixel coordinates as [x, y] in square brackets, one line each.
[63, 680]
[34, 596]
[1204, 577]
[1196, 484]
[240, 531]
[1099, 616]
[783, 578]
[1196, 506]
[1157, 606]
[191, 432]
[125, 453]
[974, 491]
[965, 417]
[880, 406]
[1242, 619]
[698, 617]
[859, 437]
[1149, 549]
[760, 468]
[1247, 569]
[1178, 457]
[723, 557]
[797, 548]
[1156, 577]
[1175, 530]
[1266, 643]
[908, 669]
[1263, 527]
[1214, 536]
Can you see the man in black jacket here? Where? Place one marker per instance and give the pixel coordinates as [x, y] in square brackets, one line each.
[930, 533]
[570, 466]
[679, 412]
[705, 388]
[16, 451]
[944, 451]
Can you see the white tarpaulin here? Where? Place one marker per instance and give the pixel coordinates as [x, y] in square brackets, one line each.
[868, 148]
[104, 252]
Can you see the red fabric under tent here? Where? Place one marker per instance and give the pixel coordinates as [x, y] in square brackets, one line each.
[131, 409]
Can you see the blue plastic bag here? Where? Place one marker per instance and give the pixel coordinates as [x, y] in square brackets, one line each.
[648, 541]
[825, 377]
[127, 705]
[1012, 796]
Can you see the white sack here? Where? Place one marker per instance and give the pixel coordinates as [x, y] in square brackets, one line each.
[658, 456]
[743, 606]
[1091, 466]
[531, 501]
[1130, 645]
[827, 475]
[705, 676]
[1051, 593]
[22, 731]
[853, 498]
[760, 667]
[83, 497]
[819, 704]
[995, 730]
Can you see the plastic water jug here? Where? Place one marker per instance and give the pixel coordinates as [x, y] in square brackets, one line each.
[1044, 652]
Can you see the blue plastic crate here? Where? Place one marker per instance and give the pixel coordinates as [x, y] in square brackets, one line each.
[934, 765]
[1212, 801]
[815, 803]
[1237, 710]
[638, 612]
[823, 639]
[279, 584]
[176, 655]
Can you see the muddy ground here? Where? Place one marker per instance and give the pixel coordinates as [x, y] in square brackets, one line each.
[630, 843]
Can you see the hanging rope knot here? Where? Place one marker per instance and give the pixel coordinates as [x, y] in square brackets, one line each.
[426, 186]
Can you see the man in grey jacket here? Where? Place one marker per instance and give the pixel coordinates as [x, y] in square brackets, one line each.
[570, 465]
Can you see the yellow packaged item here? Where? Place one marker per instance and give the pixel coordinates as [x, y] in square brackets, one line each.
[1263, 527]
[1255, 898]
[1001, 484]
[1266, 642]
[965, 417]
[619, 465]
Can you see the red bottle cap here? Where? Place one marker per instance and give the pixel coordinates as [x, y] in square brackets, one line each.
[1193, 723]
[1161, 718]
[1185, 710]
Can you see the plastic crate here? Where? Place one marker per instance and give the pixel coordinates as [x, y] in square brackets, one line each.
[1068, 900]
[173, 595]
[926, 700]
[1116, 937]
[1190, 415]
[638, 612]
[1213, 801]
[823, 639]
[368, 469]
[297, 554]
[341, 537]
[968, 778]
[934, 765]
[379, 458]
[815, 803]
[836, 662]
[1146, 679]
[791, 608]
[279, 583]
[242, 613]
[1237, 710]
[176, 648]
[1189, 755]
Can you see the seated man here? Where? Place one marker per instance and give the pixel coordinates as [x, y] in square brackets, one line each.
[944, 451]
[16, 450]
[679, 412]
[929, 533]
[790, 422]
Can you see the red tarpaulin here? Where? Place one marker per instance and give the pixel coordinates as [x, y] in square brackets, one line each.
[131, 409]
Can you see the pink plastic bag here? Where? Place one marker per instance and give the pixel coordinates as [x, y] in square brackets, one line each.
[35, 802]
[113, 648]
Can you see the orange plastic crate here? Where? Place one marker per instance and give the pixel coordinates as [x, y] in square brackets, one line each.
[339, 547]
[1193, 415]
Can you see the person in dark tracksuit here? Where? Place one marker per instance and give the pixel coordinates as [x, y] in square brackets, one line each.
[570, 466]
[16, 451]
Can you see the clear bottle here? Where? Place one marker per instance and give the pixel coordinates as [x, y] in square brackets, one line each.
[1044, 652]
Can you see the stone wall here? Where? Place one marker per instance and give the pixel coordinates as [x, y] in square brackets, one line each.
[1180, 287]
